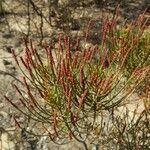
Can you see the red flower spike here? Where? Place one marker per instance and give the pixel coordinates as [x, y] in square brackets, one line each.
[70, 135]
[68, 51]
[38, 57]
[104, 59]
[87, 30]
[59, 75]
[71, 79]
[14, 86]
[69, 99]
[88, 55]
[64, 86]
[50, 58]
[60, 47]
[77, 44]
[75, 59]
[68, 70]
[92, 53]
[25, 82]
[67, 90]
[69, 74]
[107, 84]
[104, 32]
[82, 84]
[82, 99]
[41, 93]
[32, 48]
[15, 57]
[65, 41]
[29, 93]
[27, 66]
[26, 41]
[31, 106]
[33, 100]
[84, 53]
[74, 118]
[101, 84]
[94, 79]
[125, 57]
[115, 16]
[55, 123]
[49, 55]
[14, 105]
[63, 67]
[45, 46]
[23, 102]
[29, 59]
[17, 123]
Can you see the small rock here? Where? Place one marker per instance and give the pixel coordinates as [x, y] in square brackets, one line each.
[6, 62]
[86, 45]
[63, 2]
[74, 25]
[1, 105]
[8, 49]
[3, 114]
[6, 143]
[10, 69]
[42, 143]
[8, 35]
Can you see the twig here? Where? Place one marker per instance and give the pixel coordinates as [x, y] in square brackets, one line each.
[10, 74]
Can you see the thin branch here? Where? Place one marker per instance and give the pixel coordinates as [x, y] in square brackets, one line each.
[10, 74]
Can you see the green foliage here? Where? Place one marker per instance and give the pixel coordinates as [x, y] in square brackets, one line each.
[140, 54]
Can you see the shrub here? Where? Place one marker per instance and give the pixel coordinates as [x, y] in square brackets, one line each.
[68, 93]
[140, 54]
[132, 38]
